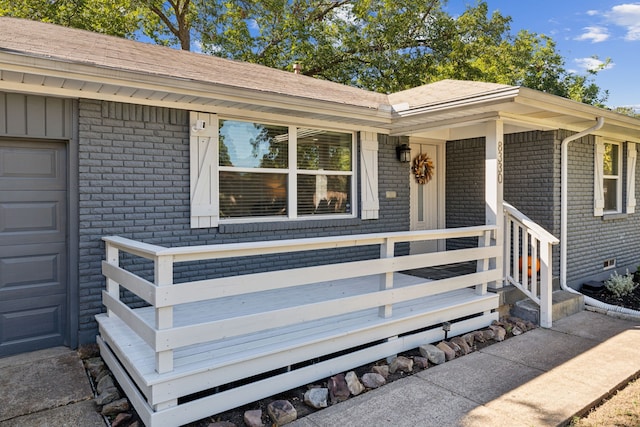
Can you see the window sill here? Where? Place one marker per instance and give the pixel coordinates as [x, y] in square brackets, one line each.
[614, 216]
[231, 228]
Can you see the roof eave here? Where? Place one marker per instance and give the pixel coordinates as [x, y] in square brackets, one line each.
[53, 67]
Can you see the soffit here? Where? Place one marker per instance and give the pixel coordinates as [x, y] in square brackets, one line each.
[519, 108]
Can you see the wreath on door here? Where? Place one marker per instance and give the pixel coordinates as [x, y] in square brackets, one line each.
[422, 168]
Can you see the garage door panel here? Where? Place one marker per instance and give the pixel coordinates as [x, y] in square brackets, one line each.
[23, 272]
[24, 222]
[36, 166]
[33, 246]
[25, 327]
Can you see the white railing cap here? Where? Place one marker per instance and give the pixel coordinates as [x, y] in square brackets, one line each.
[535, 229]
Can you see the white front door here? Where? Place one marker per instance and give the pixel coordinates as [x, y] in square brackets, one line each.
[427, 200]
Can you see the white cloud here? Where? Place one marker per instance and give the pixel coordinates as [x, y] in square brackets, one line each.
[196, 46]
[627, 16]
[595, 34]
[592, 63]
[593, 12]
[253, 25]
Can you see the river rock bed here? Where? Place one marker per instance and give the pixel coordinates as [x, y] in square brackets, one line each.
[286, 407]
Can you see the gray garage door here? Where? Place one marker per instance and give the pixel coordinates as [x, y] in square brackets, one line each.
[33, 246]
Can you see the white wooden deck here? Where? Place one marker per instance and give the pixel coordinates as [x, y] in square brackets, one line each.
[282, 336]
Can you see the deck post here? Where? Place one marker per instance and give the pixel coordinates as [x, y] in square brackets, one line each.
[494, 191]
[386, 279]
[483, 264]
[164, 315]
[113, 258]
[508, 230]
[546, 278]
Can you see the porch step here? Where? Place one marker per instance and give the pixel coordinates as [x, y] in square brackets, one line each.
[565, 304]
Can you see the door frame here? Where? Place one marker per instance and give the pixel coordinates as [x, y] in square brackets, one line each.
[440, 171]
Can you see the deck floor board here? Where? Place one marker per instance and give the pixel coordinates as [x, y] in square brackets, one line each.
[216, 354]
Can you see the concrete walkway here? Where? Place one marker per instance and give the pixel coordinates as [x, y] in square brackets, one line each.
[541, 378]
[46, 388]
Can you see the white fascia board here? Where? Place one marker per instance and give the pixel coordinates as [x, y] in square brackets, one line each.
[485, 99]
[573, 108]
[229, 112]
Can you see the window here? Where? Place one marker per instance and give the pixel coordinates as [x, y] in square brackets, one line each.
[611, 181]
[608, 195]
[324, 172]
[253, 169]
[250, 171]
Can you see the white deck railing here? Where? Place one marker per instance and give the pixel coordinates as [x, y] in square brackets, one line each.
[196, 336]
[164, 337]
[528, 260]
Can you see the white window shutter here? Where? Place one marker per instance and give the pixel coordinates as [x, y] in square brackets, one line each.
[203, 147]
[598, 181]
[369, 175]
[632, 155]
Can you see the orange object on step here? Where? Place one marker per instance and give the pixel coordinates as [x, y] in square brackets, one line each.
[530, 265]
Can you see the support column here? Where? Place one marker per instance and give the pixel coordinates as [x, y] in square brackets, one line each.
[494, 193]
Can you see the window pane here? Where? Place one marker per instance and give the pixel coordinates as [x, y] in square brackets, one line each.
[610, 194]
[323, 150]
[252, 194]
[253, 145]
[324, 194]
[611, 159]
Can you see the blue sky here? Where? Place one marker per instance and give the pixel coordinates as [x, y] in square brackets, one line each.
[582, 29]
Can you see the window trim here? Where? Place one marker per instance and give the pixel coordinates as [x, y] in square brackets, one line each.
[626, 202]
[292, 173]
[617, 178]
[632, 156]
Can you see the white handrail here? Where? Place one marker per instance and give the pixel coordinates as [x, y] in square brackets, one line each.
[533, 227]
[528, 260]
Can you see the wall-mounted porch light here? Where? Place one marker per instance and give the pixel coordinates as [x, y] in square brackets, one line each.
[404, 153]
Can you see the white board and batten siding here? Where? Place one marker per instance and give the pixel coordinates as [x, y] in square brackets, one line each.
[203, 147]
[369, 177]
[632, 156]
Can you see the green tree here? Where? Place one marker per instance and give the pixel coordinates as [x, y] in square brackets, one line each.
[481, 48]
[629, 111]
[380, 45]
[114, 17]
[388, 46]
[170, 23]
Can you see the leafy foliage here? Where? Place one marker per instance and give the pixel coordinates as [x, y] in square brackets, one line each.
[380, 45]
[114, 17]
[620, 285]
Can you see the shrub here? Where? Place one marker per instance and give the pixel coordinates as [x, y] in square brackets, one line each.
[620, 285]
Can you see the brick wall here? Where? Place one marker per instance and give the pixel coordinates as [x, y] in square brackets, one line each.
[532, 180]
[591, 240]
[134, 182]
[464, 183]
[532, 184]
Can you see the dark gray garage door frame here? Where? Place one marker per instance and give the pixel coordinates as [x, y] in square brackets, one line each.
[50, 120]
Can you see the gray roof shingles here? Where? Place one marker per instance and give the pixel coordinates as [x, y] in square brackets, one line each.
[69, 45]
